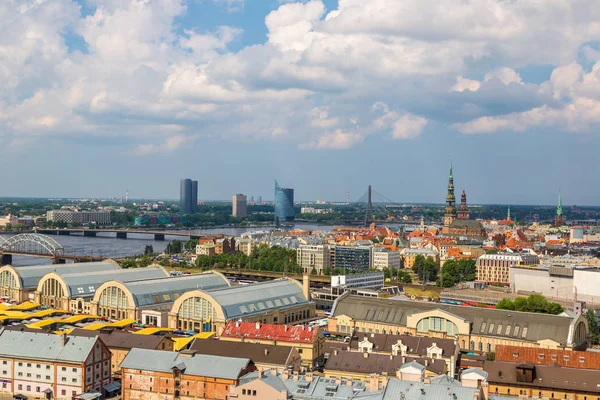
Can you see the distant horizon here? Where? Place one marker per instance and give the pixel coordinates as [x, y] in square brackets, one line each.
[313, 202]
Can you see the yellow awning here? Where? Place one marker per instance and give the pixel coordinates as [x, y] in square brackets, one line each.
[152, 331]
[181, 342]
[204, 335]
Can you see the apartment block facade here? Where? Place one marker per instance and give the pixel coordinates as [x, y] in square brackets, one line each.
[79, 217]
[383, 258]
[495, 268]
[50, 365]
[314, 256]
[161, 375]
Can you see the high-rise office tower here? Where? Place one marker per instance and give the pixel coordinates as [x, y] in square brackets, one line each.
[194, 205]
[239, 205]
[188, 196]
[259, 200]
[284, 204]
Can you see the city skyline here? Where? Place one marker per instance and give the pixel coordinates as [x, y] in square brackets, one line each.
[263, 87]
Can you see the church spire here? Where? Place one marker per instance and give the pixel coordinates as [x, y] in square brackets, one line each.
[463, 210]
[559, 211]
[508, 214]
[559, 219]
[450, 214]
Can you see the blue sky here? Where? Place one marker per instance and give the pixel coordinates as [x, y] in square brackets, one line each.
[107, 95]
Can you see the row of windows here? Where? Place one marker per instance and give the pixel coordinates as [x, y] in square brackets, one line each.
[437, 324]
[507, 330]
[553, 357]
[293, 317]
[540, 394]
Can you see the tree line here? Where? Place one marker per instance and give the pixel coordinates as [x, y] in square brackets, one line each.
[452, 273]
[535, 303]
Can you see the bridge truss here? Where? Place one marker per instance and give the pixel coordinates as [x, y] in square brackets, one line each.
[32, 243]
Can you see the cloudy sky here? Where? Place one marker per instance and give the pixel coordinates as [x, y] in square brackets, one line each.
[100, 96]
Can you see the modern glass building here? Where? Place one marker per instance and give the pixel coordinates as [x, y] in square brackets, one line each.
[352, 258]
[284, 204]
[188, 196]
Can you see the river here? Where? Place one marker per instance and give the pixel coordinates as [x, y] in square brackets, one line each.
[106, 245]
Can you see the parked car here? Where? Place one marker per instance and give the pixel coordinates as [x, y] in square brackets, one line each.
[19, 396]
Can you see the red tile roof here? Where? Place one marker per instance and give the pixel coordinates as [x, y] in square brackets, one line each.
[281, 333]
[565, 358]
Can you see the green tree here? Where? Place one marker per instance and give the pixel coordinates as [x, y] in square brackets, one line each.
[174, 247]
[387, 273]
[313, 271]
[425, 268]
[505, 304]
[190, 245]
[148, 250]
[404, 277]
[592, 319]
[490, 356]
[454, 272]
[535, 303]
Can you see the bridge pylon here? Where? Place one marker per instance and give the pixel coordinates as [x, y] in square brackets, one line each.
[6, 259]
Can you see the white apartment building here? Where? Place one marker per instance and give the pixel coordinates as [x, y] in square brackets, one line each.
[313, 210]
[205, 249]
[313, 256]
[46, 365]
[79, 217]
[495, 268]
[384, 258]
[367, 280]
[245, 245]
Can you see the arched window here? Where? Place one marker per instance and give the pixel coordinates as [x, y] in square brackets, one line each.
[472, 347]
[437, 324]
[197, 308]
[7, 280]
[52, 288]
[489, 347]
[480, 346]
[113, 297]
[463, 344]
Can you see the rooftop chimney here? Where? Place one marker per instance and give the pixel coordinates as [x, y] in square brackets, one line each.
[237, 323]
[266, 352]
[257, 325]
[306, 286]
[65, 339]
[366, 354]
[285, 328]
